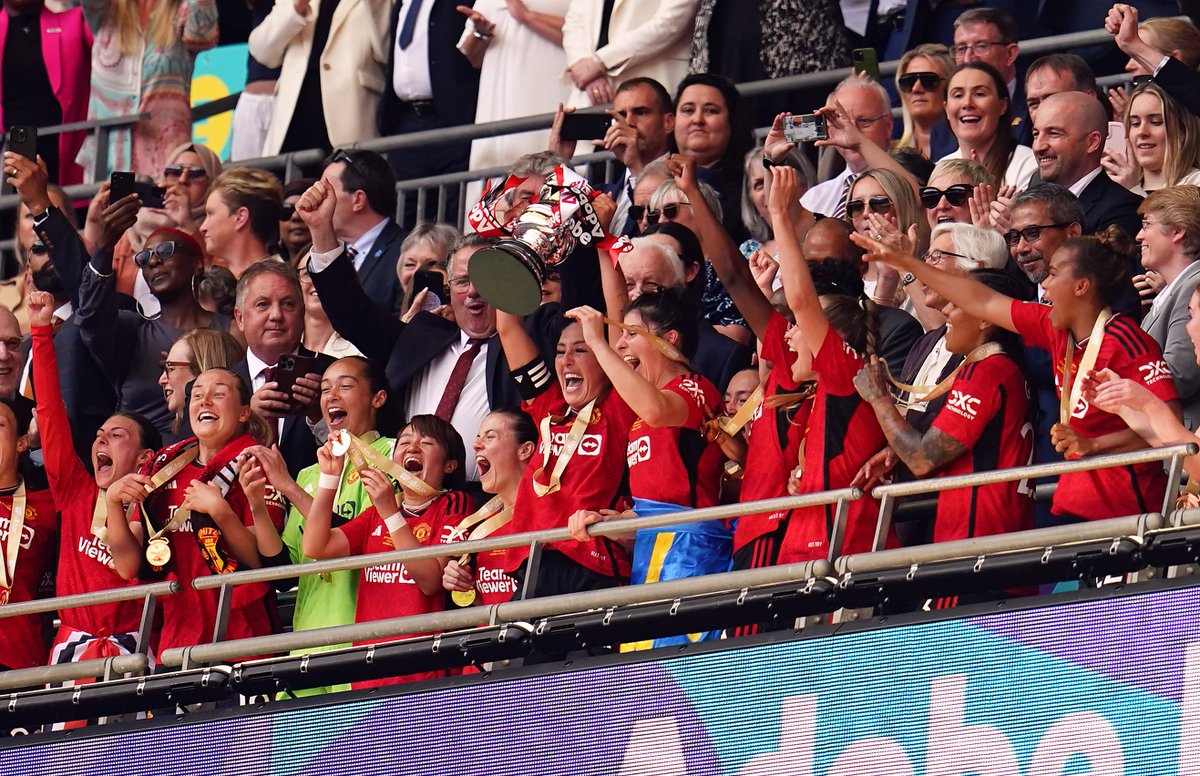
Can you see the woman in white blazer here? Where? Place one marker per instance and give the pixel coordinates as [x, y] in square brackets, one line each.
[646, 38]
[352, 65]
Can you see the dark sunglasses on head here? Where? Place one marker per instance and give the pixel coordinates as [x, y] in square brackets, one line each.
[163, 251]
[956, 195]
[878, 204]
[928, 81]
[1030, 233]
[176, 171]
[667, 213]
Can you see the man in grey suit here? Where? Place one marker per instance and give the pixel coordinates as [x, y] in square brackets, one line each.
[1170, 241]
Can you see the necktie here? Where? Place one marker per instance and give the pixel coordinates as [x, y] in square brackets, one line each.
[410, 24]
[352, 254]
[457, 381]
[840, 210]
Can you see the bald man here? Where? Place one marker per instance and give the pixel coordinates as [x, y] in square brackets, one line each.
[1068, 139]
[10, 353]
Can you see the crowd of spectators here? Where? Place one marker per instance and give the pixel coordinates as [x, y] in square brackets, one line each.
[267, 373]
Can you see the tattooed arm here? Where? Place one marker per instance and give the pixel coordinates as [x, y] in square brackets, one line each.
[921, 454]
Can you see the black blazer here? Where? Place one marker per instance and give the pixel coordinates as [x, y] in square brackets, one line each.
[88, 394]
[455, 82]
[1107, 202]
[378, 271]
[297, 443]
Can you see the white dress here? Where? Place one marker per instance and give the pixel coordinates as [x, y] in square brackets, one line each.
[519, 77]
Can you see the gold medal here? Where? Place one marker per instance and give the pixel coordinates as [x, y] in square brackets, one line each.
[158, 553]
[463, 598]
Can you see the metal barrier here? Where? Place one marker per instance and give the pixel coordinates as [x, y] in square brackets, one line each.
[535, 539]
[137, 662]
[288, 165]
[887, 494]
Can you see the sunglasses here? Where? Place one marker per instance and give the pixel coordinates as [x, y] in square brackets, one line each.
[878, 204]
[928, 81]
[668, 212]
[163, 251]
[957, 195]
[177, 171]
[1030, 233]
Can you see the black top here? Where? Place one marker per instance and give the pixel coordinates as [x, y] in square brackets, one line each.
[28, 96]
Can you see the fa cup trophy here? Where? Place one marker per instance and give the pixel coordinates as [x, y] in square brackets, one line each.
[509, 275]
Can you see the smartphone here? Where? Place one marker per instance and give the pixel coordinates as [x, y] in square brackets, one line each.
[435, 282]
[120, 186]
[805, 128]
[22, 139]
[151, 195]
[585, 126]
[864, 60]
[289, 368]
[1140, 80]
[1115, 142]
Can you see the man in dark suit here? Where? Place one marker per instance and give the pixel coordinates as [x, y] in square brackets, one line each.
[430, 85]
[1068, 141]
[365, 187]
[270, 314]
[89, 396]
[1176, 78]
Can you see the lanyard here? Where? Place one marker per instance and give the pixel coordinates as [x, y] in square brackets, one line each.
[12, 548]
[1068, 397]
[931, 392]
[570, 445]
[362, 456]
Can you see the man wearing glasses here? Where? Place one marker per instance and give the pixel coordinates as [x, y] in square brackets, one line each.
[870, 108]
[989, 35]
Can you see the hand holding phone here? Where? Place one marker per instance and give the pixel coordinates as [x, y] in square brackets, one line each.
[585, 126]
[805, 128]
[1115, 143]
[22, 139]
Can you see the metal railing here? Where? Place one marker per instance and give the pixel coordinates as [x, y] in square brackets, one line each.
[137, 662]
[534, 539]
[289, 164]
[888, 494]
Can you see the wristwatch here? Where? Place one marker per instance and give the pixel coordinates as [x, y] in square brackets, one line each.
[907, 279]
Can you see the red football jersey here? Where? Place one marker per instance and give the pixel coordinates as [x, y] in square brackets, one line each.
[189, 616]
[1131, 353]
[775, 435]
[388, 591]
[21, 643]
[677, 465]
[987, 411]
[84, 562]
[594, 479]
[842, 435]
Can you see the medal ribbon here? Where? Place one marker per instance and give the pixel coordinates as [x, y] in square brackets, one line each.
[732, 426]
[162, 477]
[362, 456]
[488, 519]
[660, 344]
[932, 392]
[100, 517]
[1067, 399]
[570, 445]
[12, 547]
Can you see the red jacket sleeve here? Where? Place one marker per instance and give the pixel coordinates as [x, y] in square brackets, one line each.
[65, 471]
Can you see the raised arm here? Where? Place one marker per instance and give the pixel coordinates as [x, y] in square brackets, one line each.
[105, 331]
[964, 291]
[63, 466]
[426, 572]
[350, 310]
[797, 281]
[320, 539]
[733, 271]
[271, 38]
[658, 408]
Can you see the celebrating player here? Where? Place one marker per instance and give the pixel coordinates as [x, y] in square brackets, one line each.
[430, 457]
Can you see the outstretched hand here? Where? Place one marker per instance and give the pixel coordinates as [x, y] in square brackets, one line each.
[878, 250]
